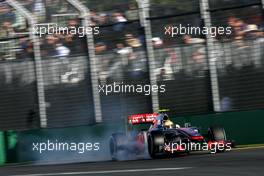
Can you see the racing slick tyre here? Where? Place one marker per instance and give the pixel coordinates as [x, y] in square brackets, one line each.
[217, 134]
[155, 140]
[118, 142]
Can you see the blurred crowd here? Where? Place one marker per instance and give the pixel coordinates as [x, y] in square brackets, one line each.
[13, 25]
[120, 48]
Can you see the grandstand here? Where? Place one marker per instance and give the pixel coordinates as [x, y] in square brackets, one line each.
[52, 81]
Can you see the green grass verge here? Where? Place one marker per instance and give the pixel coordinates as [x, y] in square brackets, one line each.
[249, 145]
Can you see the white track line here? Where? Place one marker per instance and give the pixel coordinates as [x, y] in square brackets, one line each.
[249, 147]
[108, 171]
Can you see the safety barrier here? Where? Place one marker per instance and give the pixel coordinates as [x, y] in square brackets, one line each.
[242, 127]
[2, 149]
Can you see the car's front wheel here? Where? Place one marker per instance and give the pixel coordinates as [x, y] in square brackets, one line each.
[217, 134]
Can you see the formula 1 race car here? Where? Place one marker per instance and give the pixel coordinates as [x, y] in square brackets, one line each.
[163, 137]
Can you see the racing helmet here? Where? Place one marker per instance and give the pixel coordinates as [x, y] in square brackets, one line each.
[168, 124]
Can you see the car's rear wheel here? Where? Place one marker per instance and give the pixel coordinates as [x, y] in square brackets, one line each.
[155, 140]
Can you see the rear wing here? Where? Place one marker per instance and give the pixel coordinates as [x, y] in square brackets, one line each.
[142, 118]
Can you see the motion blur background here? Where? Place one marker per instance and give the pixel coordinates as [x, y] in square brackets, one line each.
[52, 81]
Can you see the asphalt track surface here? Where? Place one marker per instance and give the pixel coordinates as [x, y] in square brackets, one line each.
[235, 163]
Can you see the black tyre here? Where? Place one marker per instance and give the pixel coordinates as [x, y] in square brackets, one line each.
[118, 142]
[155, 140]
[217, 134]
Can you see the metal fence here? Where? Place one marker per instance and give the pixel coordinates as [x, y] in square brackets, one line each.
[201, 74]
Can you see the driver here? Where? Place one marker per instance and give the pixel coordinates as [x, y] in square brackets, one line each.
[167, 123]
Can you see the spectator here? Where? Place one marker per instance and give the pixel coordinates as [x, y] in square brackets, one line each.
[103, 61]
[119, 19]
[73, 43]
[6, 12]
[157, 42]
[162, 76]
[198, 60]
[95, 19]
[101, 52]
[121, 49]
[165, 60]
[231, 21]
[132, 12]
[123, 52]
[26, 49]
[189, 40]
[7, 30]
[239, 29]
[252, 32]
[73, 23]
[118, 65]
[171, 63]
[254, 36]
[195, 51]
[133, 42]
[49, 45]
[160, 56]
[103, 19]
[100, 48]
[4, 8]
[62, 51]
